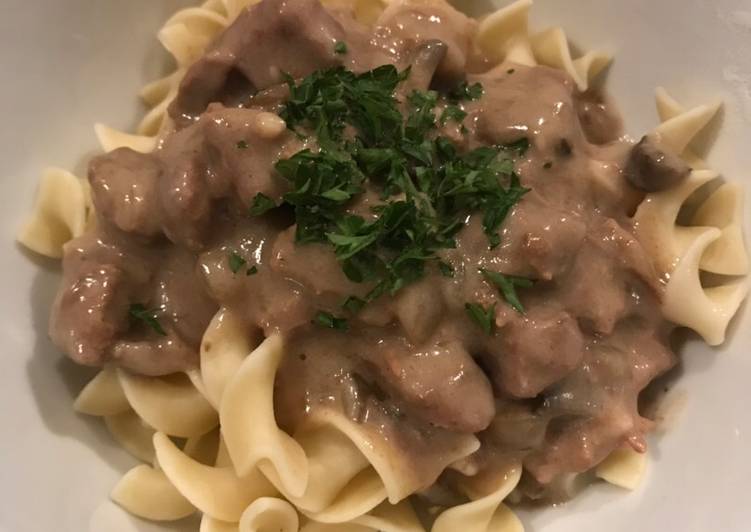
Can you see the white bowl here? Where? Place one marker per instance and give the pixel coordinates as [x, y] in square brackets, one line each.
[68, 63]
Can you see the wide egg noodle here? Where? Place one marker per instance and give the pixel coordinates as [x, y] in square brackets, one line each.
[724, 209]
[209, 524]
[216, 491]
[504, 36]
[624, 468]
[679, 126]
[248, 426]
[656, 221]
[394, 468]
[170, 404]
[133, 435]
[102, 395]
[188, 33]
[336, 466]
[326, 468]
[269, 513]
[679, 251]
[486, 512]
[707, 310]
[386, 517]
[148, 493]
[551, 48]
[203, 448]
[59, 214]
[111, 139]
[224, 346]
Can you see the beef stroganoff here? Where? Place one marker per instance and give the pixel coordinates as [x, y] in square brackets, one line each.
[381, 266]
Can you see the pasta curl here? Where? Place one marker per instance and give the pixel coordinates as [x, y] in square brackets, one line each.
[504, 36]
[60, 213]
[712, 242]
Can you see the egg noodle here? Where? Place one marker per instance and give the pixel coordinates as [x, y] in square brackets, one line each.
[208, 438]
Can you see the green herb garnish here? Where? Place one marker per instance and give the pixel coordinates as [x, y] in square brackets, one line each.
[482, 317]
[242, 145]
[427, 186]
[519, 146]
[340, 47]
[139, 312]
[353, 304]
[453, 112]
[507, 285]
[236, 262]
[252, 270]
[328, 320]
[261, 204]
[464, 92]
[446, 269]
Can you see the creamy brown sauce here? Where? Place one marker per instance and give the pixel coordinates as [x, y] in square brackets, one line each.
[556, 387]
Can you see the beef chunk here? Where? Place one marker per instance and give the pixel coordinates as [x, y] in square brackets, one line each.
[536, 351]
[273, 37]
[124, 190]
[441, 385]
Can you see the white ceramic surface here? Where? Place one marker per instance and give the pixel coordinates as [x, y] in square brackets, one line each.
[65, 64]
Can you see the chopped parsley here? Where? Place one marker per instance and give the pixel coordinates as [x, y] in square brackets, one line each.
[454, 113]
[427, 186]
[507, 284]
[242, 145]
[482, 317]
[139, 313]
[446, 269]
[261, 204]
[464, 92]
[252, 270]
[519, 146]
[353, 304]
[340, 47]
[236, 262]
[328, 320]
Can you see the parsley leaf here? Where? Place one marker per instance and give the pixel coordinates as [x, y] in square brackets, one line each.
[261, 204]
[242, 145]
[482, 317]
[466, 92]
[428, 187]
[340, 47]
[353, 304]
[453, 112]
[519, 146]
[252, 270]
[446, 269]
[236, 262]
[507, 285]
[328, 320]
[138, 312]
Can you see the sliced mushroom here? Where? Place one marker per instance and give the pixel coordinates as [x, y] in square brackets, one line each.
[653, 167]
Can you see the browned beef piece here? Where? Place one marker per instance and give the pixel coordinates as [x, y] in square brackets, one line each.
[536, 350]
[124, 190]
[269, 39]
[440, 384]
